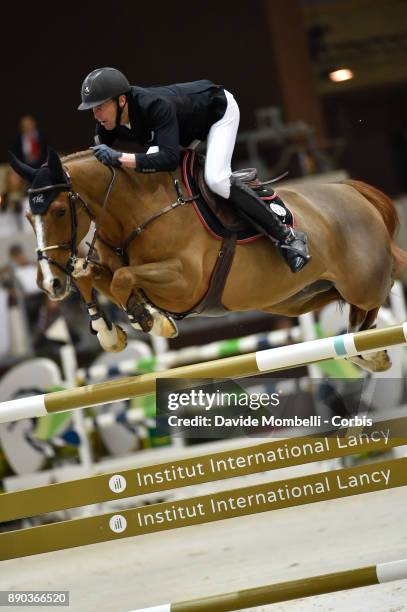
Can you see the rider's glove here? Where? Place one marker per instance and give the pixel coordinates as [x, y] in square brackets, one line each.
[106, 155]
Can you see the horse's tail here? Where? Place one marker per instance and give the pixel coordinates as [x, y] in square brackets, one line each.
[388, 211]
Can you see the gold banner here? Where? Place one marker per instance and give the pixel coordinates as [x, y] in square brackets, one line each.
[253, 459]
[206, 508]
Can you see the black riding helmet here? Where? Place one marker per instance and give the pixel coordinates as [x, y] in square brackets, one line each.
[101, 85]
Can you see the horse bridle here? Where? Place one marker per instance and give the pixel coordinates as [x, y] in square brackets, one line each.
[72, 246]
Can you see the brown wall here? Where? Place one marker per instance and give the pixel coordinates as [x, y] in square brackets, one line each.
[296, 83]
[45, 57]
[256, 48]
[374, 126]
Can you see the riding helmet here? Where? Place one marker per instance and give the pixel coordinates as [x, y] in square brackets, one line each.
[101, 85]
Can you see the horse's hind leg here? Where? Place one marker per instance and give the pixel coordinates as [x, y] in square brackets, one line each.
[360, 320]
[367, 290]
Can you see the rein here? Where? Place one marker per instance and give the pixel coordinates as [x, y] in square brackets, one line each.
[104, 207]
[121, 250]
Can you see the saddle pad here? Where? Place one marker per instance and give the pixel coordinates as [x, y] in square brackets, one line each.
[190, 164]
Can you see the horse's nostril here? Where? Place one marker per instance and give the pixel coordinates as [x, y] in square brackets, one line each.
[56, 284]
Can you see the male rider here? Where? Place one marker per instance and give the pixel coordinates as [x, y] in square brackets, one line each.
[163, 119]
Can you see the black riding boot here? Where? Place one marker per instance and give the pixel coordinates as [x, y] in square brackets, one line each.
[291, 243]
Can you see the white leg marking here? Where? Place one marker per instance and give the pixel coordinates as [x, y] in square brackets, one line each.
[107, 337]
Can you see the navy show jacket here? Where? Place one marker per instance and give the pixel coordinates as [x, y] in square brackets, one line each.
[169, 117]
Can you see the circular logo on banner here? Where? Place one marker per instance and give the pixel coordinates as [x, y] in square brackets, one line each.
[279, 210]
[117, 483]
[118, 523]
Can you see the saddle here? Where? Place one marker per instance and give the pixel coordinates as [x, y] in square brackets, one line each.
[221, 208]
[221, 219]
[217, 214]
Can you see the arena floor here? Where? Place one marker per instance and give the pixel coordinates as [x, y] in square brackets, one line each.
[232, 555]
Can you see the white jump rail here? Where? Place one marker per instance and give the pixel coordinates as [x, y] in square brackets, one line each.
[281, 358]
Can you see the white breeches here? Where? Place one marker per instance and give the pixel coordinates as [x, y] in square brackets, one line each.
[219, 149]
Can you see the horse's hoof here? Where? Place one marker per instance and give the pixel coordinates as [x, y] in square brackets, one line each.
[121, 343]
[121, 340]
[376, 362]
[78, 270]
[164, 326]
[382, 362]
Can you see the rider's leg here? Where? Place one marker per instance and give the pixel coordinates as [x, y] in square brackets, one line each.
[291, 243]
[219, 151]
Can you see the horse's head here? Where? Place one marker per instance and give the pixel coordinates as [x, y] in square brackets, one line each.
[54, 218]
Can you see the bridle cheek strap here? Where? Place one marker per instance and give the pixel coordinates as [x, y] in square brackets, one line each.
[71, 246]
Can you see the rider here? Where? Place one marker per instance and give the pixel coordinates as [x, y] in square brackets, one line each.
[167, 118]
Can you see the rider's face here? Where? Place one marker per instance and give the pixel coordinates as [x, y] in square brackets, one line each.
[105, 114]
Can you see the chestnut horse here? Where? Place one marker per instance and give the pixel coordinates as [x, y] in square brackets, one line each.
[350, 228]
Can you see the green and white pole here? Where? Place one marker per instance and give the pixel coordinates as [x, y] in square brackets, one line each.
[240, 366]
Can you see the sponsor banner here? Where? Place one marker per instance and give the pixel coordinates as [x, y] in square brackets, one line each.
[259, 457]
[205, 508]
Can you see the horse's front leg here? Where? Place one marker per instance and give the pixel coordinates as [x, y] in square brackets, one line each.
[124, 288]
[112, 337]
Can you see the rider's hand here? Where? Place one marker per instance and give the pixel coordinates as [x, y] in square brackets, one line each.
[106, 155]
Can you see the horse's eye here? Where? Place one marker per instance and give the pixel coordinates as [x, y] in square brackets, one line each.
[61, 212]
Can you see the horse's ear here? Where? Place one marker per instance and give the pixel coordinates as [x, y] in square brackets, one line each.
[24, 170]
[55, 167]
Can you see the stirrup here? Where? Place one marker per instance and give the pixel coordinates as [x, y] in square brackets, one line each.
[290, 249]
[295, 262]
[296, 258]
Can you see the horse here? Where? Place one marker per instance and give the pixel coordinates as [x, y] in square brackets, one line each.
[153, 257]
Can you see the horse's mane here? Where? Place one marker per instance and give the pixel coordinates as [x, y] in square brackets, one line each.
[77, 155]
[88, 155]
